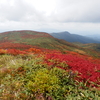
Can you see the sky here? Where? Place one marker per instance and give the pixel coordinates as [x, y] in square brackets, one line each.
[75, 16]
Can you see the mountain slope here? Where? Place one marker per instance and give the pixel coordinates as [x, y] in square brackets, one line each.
[92, 46]
[33, 38]
[74, 37]
[94, 36]
[29, 39]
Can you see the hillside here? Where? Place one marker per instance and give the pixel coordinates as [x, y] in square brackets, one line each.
[32, 38]
[15, 39]
[27, 39]
[49, 75]
[30, 71]
[92, 46]
[74, 37]
[94, 36]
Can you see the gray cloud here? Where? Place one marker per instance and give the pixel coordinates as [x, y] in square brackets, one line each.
[19, 10]
[77, 11]
[12, 12]
[72, 15]
[65, 11]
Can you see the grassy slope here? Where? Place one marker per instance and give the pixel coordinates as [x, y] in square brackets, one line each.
[92, 46]
[19, 74]
[32, 38]
[41, 39]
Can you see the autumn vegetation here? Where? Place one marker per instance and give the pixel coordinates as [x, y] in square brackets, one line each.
[29, 72]
[41, 74]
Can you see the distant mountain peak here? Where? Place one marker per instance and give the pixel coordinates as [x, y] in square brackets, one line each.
[74, 37]
[64, 32]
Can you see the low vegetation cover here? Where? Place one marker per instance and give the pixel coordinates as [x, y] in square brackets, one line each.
[37, 74]
[26, 39]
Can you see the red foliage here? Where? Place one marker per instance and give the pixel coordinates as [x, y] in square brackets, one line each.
[2, 51]
[15, 52]
[9, 45]
[34, 50]
[87, 67]
[87, 70]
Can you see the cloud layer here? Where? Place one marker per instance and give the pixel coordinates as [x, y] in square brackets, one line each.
[79, 16]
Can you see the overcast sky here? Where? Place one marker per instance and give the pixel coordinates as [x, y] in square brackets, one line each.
[75, 16]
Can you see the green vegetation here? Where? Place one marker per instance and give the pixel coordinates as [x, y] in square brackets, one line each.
[27, 77]
[43, 40]
[92, 46]
[44, 74]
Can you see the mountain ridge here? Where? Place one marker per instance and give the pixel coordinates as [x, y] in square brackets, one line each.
[34, 38]
[73, 37]
[26, 39]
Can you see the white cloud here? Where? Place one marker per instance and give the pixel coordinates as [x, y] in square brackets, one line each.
[72, 15]
[77, 11]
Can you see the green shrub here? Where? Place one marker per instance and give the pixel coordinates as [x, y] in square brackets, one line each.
[26, 78]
